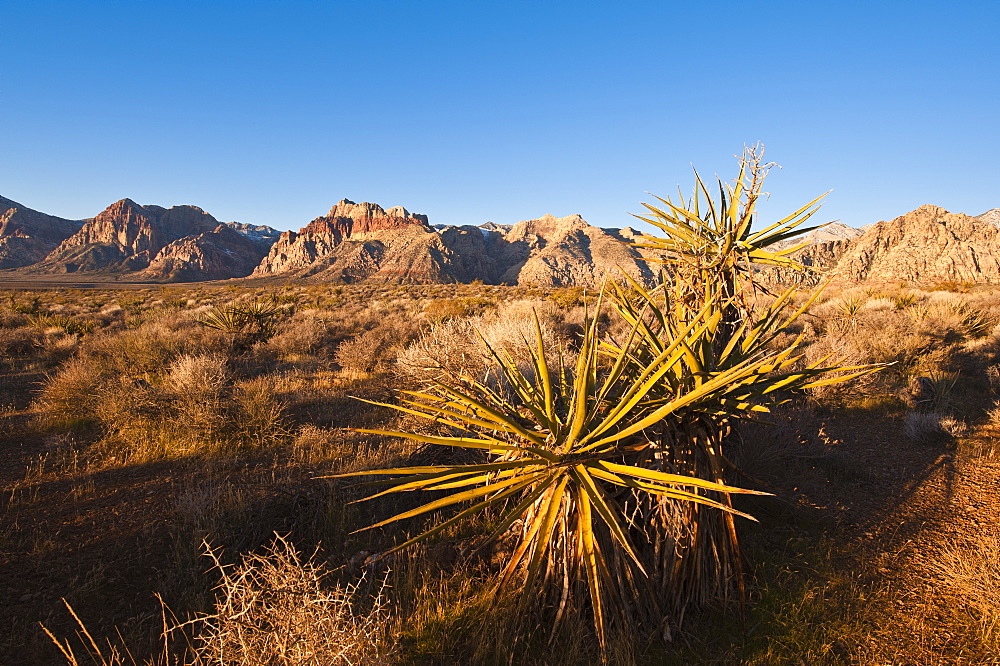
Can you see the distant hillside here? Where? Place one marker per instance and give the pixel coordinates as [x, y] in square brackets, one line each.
[924, 246]
[362, 242]
[27, 236]
[142, 243]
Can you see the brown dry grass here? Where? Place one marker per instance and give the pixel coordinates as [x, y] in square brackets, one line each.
[152, 417]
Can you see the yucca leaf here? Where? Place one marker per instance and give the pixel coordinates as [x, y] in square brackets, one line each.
[673, 479]
[664, 491]
[591, 559]
[549, 509]
[607, 511]
[457, 518]
[517, 482]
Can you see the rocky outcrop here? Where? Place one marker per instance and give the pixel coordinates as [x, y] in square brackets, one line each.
[28, 236]
[364, 243]
[361, 242]
[924, 246]
[830, 233]
[319, 246]
[990, 217]
[260, 234]
[220, 254]
[562, 251]
[125, 237]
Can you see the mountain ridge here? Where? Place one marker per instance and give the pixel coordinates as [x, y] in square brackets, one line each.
[362, 242]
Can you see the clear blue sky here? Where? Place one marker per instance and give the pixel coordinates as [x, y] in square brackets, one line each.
[270, 112]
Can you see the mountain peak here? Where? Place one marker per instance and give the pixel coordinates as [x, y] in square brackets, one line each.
[27, 236]
[991, 216]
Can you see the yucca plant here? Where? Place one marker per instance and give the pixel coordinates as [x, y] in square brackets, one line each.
[610, 467]
[576, 454]
[247, 322]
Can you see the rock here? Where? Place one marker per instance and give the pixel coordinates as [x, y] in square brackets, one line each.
[322, 248]
[362, 242]
[835, 231]
[261, 234]
[564, 251]
[925, 246]
[125, 237]
[991, 217]
[28, 236]
[220, 254]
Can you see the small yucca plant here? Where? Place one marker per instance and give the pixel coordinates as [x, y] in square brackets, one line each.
[247, 322]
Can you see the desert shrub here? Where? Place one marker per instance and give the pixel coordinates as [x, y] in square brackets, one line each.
[456, 308]
[276, 607]
[259, 417]
[453, 348]
[247, 322]
[365, 352]
[196, 384]
[567, 297]
[12, 320]
[304, 333]
[29, 306]
[880, 303]
[197, 376]
[933, 427]
[57, 345]
[20, 341]
[70, 396]
[71, 325]
[137, 423]
[131, 304]
[376, 348]
[905, 299]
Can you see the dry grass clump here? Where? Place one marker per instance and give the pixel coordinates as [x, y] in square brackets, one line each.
[313, 444]
[69, 398]
[20, 341]
[933, 427]
[305, 333]
[971, 576]
[453, 348]
[365, 352]
[165, 388]
[379, 347]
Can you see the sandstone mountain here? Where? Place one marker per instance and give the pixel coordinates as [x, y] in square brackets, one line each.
[835, 231]
[363, 242]
[125, 237]
[990, 217]
[560, 251]
[924, 246]
[27, 236]
[359, 242]
[230, 250]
